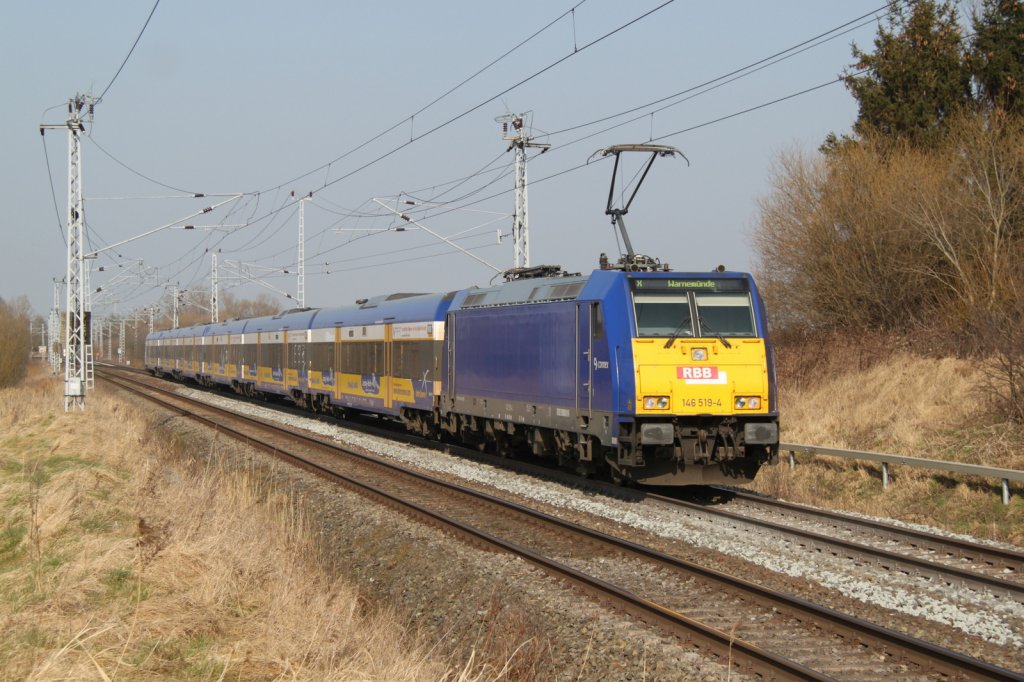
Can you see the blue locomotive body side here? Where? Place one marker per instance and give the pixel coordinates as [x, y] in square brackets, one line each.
[520, 353]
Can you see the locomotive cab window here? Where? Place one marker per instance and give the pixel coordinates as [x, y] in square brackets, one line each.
[663, 315]
[725, 314]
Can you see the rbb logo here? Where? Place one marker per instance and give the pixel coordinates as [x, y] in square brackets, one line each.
[703, 372]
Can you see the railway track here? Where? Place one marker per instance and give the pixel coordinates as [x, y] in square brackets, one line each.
[755, 629]
[946, 559]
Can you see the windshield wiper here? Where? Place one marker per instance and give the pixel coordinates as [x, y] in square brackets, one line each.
[675, 332]
[704, 328]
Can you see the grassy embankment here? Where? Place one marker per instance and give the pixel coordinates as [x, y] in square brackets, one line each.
[122, 559]
[866, 398]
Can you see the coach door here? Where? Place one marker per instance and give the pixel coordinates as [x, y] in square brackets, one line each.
[449, 344]
[584, 359]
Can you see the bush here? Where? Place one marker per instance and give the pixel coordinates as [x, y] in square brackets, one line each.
[880, 235]
[15, 341]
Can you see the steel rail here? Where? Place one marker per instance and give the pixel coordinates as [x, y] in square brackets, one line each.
[889, 559]
[921, 652]
[973, 551]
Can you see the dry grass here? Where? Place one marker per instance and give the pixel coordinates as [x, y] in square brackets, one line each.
[121, 560]
[903, 404]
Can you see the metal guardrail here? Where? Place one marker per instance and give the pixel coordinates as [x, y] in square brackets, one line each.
[1005, 475]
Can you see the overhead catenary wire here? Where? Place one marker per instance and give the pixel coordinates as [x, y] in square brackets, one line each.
[53, 192]
[128, 56]
[427, 106]
[778, 56]
[466, 112]
[747, 69]
[256, 202]
[697, 126]
[453, 119]
[581, 166]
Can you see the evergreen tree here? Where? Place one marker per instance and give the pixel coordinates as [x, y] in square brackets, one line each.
[997, 55]
[915, 78]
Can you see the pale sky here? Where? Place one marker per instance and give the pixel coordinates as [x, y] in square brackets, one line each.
[247, 97]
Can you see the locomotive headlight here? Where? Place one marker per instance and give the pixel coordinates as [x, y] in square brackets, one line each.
[656, 402]
[748, 402]
[699, 353]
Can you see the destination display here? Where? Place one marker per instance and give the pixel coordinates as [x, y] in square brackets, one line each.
[689, 284]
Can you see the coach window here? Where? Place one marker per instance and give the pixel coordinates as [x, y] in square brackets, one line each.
[297, 355]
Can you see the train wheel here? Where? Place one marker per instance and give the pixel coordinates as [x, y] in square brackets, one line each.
[615, 474]
[502, 446]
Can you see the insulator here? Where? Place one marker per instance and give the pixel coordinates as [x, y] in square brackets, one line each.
[504, 128]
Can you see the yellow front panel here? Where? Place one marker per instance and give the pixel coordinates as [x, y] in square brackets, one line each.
[694, 386]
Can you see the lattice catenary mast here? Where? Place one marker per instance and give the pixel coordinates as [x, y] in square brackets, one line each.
[301, 293]
[54, 327]
[76, 332]
[519, 141]
[214, 286]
